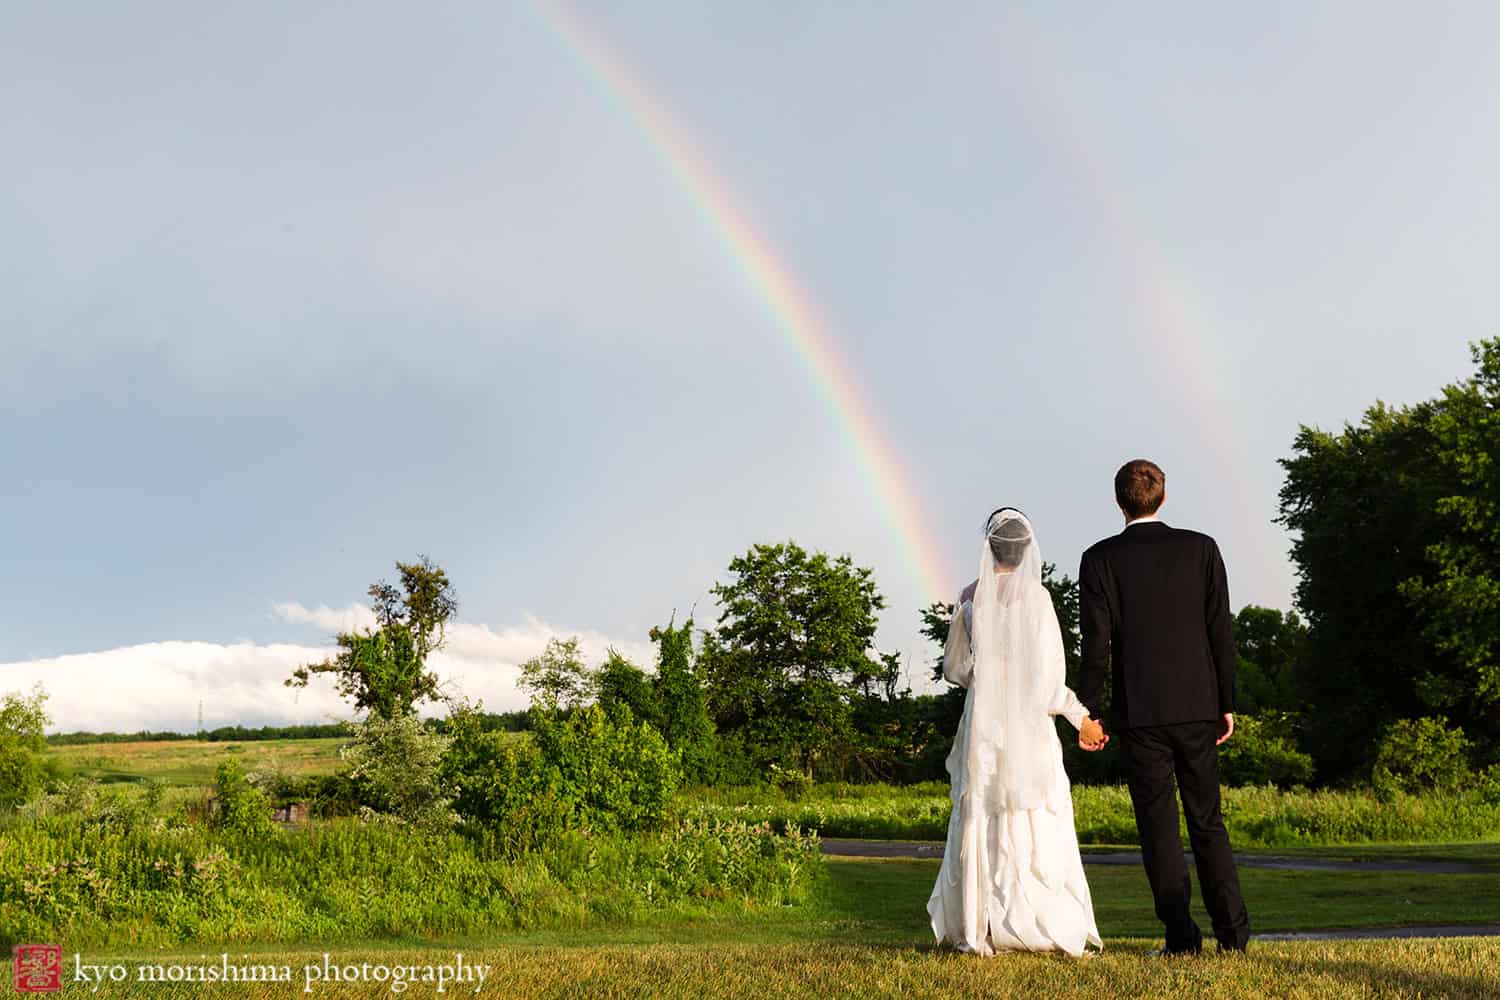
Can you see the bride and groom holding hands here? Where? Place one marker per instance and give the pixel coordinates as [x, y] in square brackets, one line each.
[1155, 621]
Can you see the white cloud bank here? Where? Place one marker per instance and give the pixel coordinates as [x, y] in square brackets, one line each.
[159, 685]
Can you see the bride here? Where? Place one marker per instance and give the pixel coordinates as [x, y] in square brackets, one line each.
[1012, 877]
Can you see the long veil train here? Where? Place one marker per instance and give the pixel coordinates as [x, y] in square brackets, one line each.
[1012, 876]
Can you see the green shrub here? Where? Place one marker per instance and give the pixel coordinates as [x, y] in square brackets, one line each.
[1263, 751]
[586, 768]
[733, 764]
[396, 763]
[1487, 784]
[23, 773]
[614, 772]
[1420, 754]
[620, 683]
[791, 781]
[499, 785]
[239, 806]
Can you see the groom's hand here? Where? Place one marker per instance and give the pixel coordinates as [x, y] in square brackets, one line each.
[1091, 735]
[1226, 728]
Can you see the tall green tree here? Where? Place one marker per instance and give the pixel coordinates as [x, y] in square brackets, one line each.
[557, 677]
[1395, 529]
[794, 644]
[681, 702]
[1272, 647]
[1458, 599]
[936, 618]
[618, 682]
[384, 669]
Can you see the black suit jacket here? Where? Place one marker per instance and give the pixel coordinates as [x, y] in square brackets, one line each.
[1154, 606]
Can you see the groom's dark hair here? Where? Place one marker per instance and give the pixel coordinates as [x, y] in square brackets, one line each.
[1140, 487]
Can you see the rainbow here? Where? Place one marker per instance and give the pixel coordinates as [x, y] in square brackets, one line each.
[788, 304]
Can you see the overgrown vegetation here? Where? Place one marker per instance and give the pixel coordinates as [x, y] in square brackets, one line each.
[1262, 817]
[102, 877]
[23, 770]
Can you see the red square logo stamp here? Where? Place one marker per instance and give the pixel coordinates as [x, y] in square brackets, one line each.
[38, 968]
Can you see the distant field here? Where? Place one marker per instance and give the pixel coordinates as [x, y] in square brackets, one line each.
[190, 762]
[1263, 818]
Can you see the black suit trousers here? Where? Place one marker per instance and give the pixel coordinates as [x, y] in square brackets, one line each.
[1154, 756]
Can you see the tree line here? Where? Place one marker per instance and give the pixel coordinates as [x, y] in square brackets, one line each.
[1387, 671]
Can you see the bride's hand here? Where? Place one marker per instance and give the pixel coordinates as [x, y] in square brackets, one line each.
[1091, 735]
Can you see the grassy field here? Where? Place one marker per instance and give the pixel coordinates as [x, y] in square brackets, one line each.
[864, 931]
[1258, 818]
[190, 762]
[866, 935]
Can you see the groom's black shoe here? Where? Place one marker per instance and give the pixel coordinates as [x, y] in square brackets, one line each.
[1187, 942]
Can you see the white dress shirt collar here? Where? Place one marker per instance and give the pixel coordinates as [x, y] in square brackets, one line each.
[1142, 520]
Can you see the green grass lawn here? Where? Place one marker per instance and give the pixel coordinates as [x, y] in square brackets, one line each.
[868, 936]
[850, 968]
[1483, 854]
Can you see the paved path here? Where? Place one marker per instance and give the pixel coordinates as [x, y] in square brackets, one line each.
[934, 849]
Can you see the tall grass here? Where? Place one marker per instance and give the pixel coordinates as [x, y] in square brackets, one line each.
[89, 883]
[1264, 817]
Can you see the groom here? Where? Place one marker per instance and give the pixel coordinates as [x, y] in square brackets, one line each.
[1154, 606]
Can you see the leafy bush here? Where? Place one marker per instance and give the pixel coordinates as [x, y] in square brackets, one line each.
[499, 786]
[239, 806]
[618, 682]
[1263, 751]
[734, 764]
[1420, 754]
[327, 795]
[23, 720]
[614, 772]
[791, 781]
[1487, 784]
[396, 763]
[587, 768]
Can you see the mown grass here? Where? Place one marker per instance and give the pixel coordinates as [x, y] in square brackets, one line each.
[1468, 968]
[866, 934]
[1256, 817]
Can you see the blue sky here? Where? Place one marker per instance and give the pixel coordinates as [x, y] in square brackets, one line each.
[293, 291]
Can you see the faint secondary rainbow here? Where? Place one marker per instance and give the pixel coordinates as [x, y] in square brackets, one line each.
[1200, 375]
[789, 305]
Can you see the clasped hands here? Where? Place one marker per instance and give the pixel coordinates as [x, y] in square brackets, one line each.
[1091, 735]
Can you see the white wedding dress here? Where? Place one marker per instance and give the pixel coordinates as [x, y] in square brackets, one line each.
[1012, 876]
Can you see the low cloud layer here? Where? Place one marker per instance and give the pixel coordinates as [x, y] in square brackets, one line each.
[159, 685]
